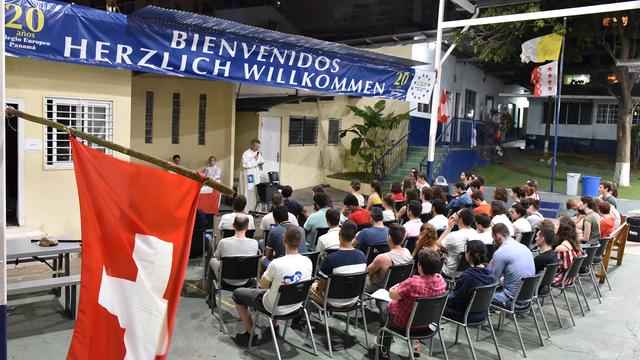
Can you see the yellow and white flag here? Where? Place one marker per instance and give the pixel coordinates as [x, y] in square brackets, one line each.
[541, 49]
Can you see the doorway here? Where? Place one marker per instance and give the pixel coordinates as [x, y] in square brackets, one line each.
[270, 127]
[13, 133]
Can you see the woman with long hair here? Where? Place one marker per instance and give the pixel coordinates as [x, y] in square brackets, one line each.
[439, 194]
[375, 196]
[389, 204]
[428, 240]
[409, 196]
[408, 183]
[568, 248]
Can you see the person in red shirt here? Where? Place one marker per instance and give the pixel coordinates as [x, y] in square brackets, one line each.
[481, 206]
[607, 219]
[358, 215]
[403, 295]
[396, 191]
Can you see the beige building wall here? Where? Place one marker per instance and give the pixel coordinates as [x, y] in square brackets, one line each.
[50, 200]
[219, 135]
[303, 166]
[247, 124]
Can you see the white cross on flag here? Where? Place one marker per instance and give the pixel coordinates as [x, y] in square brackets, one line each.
[137, 223]
[545, 79]
[421, 86]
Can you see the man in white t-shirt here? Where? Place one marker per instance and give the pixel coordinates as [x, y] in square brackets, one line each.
[499, 216]
[412, 227]
[330, 240]
[226, 220]
[518, 214]
[454, 241]
[267, 221]
[439, 220]
[287, 269]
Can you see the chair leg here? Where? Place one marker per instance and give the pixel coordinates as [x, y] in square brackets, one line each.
[544, 319]
[287, 324]
[478, 333]
[348, 319]
[595, 285]
[431, 346]
[253, 329]
[326, 326]
[515, 321]
[220, 309]
[410, 349]
[495, 339]
[606, 278]
[364, 324]
[275, 339]
[535, 321]
[457, 331]
[566, 299]
[577, 291]
[555, 308]
[313, 340]
[473, 352]
[584, 294]
[444, 347]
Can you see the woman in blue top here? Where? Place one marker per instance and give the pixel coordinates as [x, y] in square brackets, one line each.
[476, 275]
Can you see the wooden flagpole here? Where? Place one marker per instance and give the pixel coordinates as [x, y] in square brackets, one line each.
[194, 175]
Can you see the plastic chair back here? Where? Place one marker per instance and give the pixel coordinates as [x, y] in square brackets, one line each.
[239, 267]
[426, 217]
[590, 251]
[398, 273]
[410, 243]
[346, 286]
[294, 293]
[526, 238]
[226, 233]
[481, 299]
[313, 256]
[427, 311]
[604, 242]
[528, 287]
[573, 270]
[375, 250]
[548, 275]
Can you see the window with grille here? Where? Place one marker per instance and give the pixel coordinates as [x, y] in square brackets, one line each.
[334, 132]
[469, 104]
[94, 117]
[608, 114]
[424, 108]
[303, 130]
[571, 113]
[175, 119]
[148, 118]
[202, 117]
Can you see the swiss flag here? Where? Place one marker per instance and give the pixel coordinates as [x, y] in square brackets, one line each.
[136, 234]
[443, 109]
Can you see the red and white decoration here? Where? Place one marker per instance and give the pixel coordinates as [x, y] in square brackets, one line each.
[137, 223]
[443, 108]
[545, 79]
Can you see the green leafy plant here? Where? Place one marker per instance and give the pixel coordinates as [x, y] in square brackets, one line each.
[372, 138]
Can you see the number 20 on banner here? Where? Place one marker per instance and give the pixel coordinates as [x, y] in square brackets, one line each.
[32, 19]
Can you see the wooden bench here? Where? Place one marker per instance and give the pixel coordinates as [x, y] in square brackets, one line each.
[70, 284]
[617, 244]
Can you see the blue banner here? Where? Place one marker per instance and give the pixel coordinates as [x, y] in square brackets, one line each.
[75, 34]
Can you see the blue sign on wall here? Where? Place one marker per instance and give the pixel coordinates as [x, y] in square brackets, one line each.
[75, 34]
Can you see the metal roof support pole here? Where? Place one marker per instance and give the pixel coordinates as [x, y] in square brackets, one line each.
[433, 122]
[3, 207]
[453, 46]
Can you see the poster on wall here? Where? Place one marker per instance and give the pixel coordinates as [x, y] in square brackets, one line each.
[177, 43]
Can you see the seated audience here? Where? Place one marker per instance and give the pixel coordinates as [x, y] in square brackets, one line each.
[425, 197]
[410, 195]
[412, 227]
[375, 235]
[608, 193]
[567, 250]
[293, 206]
[408, 182]
[483, 223]
[533, 184]
[421, 181]
[499, 216]
[389, 213]
[237, 245]
[591, 227]
[320, 189]
[267, 221]
[533, 212]
[427, 284]
[500, 194]
[475, 276]
[347, 260]
[546, 240]
[330, 240]
[607, 220]
[354, 189]
[375, 195]
[397, 255]
[518, 214]
[481, 206]
[572, 207]
[291, 267]
[511, 262]
[439, 193]
[357, 214]
[517, 194]
[454, 241]
[318, 219]
[462, 198]
[226, 220]
[428, 240]
[439, 220]
[396, 191]
[274, 246]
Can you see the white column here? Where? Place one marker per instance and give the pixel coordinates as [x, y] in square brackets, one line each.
[433, 124]
[3, 202]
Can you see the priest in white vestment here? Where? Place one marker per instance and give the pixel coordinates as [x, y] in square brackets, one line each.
[252, 162]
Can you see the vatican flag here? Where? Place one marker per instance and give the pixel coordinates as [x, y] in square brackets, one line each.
[541, 49]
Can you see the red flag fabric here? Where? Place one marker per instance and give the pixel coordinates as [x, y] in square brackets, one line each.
[443, 109]
[545, 79]
[137, 223]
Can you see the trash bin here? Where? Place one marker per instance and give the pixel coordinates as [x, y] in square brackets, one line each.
[590, 185]
[572, 183]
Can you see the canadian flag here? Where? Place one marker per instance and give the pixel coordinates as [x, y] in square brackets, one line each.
[136, 234]
[443, 108]
[545, 79]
